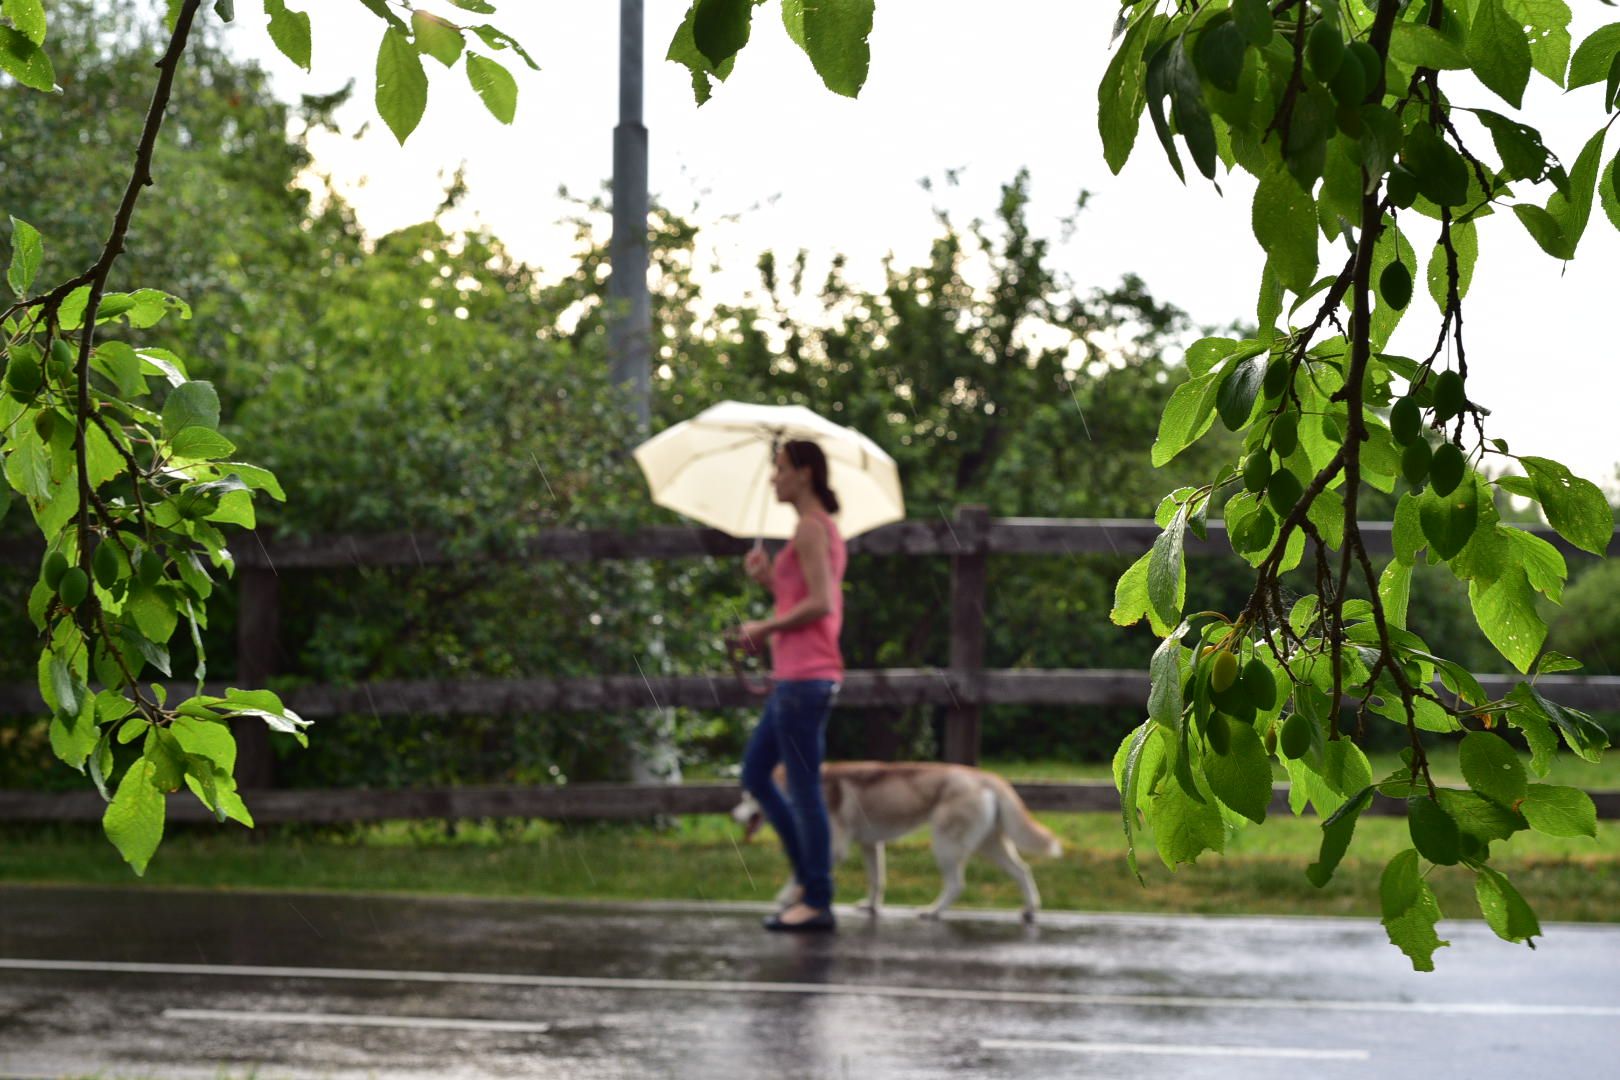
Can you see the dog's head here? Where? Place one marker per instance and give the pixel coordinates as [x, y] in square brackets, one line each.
[748, 814]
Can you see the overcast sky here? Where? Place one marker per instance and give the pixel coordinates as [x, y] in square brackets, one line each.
[776, 161]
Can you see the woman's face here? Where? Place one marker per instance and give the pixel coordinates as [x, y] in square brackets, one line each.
[788, 480]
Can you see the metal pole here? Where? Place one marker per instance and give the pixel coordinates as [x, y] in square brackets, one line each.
[630, 321]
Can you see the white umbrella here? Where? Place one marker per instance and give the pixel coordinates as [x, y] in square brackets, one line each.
[716, 468]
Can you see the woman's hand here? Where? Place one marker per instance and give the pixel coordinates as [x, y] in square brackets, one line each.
[757, 565]
[751, 635]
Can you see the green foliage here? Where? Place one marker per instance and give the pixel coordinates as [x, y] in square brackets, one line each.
[113, 447]
[1337, 112]
[832, 33]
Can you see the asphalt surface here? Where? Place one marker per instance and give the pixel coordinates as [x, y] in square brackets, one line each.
[148, 983]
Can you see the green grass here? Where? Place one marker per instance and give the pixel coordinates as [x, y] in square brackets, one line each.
[702, 859]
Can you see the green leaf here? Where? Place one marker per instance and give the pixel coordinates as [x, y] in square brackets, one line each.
[1184, 828]
[1535, 715]
[1433, 831]
[1592, 59]
[1551, 663]
[1119, 95]
[1241, 777]
[1559, 811]
[190, 404]
[402, 87]
[1575, 507]
[26, 252]
[1128, 779]
[494, 85]
[153, 611]
[1610, 192]
[1395, 591]
[1187, 416]
[208, 739]
[1492, 767]
[1449, 521]
[720, 28]
[225, 9]
[1410, 910]
[1559, 227]
[1479, 817]
[290, 31]
[1421, 46]
[1235, 399]
[1284, 222]
[1442, 175]
[381, 9]
[1407, 534]
[25, 61]
[1167, 571]
[1164, 694]
[1543, 564]
[835, 33]
[73, 733]
[1505, 609]
[1337, 831]
[498, 39]
[1499, 52]
[27, 16]
[1504, 909]
[1131, 595]
[1465, 242]
[133, 821]
[1188, 108]
[683, 50]
[1524, 156]
[200, 444]
[1548, 25]
[437, 37]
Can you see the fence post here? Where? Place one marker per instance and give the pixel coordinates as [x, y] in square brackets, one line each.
[971, 530]
[257, 630]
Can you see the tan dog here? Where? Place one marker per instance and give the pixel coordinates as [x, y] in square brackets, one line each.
[872, 802]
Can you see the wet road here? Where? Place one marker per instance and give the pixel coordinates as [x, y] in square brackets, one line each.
[137, 983]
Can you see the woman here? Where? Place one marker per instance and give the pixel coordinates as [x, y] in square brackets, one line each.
[806, 666]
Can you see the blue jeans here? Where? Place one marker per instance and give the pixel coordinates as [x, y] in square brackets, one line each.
[793, 732]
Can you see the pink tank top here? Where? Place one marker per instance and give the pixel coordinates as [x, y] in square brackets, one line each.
[809, 651]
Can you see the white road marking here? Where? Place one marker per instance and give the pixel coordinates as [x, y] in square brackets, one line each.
[356, 1020]
[732, 986]
[1175, 1050]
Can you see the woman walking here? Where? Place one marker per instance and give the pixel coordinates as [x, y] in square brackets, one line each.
[807, 667]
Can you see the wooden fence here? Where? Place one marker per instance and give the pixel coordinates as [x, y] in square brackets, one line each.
[964, 688]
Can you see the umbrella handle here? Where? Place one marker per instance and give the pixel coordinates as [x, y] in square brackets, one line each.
[736, 655]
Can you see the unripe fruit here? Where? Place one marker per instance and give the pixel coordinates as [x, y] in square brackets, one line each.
[1218, 732]
[1349, 120]
[106, 564]
[1331, 432]
[150, 570]
[1349, 85]
[56, 565]
[1259, 684]
[1402, 187]
[1224, 673]
[1406, 421]
[1325, 50]
[1446, 469]
[1415, 463]
[1371, 66]
[74, 587]
[1271, 739]
[1256, 471]
[1285, 434]
[1449, 397]
[45, 425]
[1395, 285]
[23, 377]
[1277, 379]
[1296, 737]
[62, 360]
[1283, 492]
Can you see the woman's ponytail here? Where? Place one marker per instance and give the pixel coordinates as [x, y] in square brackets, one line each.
[805, 454]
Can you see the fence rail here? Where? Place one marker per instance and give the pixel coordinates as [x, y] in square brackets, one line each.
[964, 688]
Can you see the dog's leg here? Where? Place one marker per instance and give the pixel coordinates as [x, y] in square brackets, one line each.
[872, 855]
[999, 850]
[951, 859]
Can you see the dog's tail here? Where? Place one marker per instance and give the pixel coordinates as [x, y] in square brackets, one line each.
[1027, 834]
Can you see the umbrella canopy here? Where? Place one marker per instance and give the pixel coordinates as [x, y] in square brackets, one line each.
[716, 468]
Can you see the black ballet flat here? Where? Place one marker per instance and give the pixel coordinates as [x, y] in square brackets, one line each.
[821, 922]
